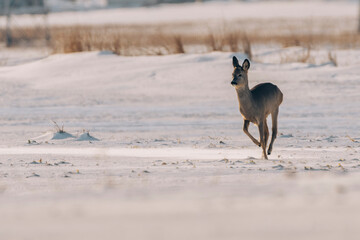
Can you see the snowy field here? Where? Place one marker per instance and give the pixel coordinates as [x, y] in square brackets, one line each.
[154, 148]
[172, 160]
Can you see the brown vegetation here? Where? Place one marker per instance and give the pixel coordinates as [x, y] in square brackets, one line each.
[182, 37]
[333, 59]
[303, 56]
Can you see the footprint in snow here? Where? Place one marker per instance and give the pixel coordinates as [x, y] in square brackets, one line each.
[33, 175]
[61, 162]
[278, 167]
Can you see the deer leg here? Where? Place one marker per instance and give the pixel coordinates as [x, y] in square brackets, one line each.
[266, 133]
[245, 128]
[274, 116]
[262, 138]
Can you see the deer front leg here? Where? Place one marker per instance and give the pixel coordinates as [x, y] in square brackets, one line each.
[262, 138]
[245, 128]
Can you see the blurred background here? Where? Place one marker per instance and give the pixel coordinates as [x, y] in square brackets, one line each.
[163, 27]
[150, 79]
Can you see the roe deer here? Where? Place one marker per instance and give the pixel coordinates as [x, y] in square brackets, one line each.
[256, 104]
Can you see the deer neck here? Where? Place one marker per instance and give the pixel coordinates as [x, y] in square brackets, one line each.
[244, 97]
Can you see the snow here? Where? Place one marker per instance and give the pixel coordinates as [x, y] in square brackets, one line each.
[86, 137]
[172, 148]
[172, 161]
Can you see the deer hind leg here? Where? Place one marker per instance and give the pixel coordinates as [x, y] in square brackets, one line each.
[246, 131]
[274, 117]
[262, 138]
[266, 133]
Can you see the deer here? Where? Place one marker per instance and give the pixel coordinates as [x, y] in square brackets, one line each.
[256, 104]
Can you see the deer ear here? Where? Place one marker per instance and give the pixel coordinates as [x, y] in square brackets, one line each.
[235, 62]
[246, 65]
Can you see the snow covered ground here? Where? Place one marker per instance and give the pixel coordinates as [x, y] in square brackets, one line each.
[154, 147]
[172, 160]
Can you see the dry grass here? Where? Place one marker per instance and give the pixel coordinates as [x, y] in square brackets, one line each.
[333, 59]
[179, 45]
[303, 56]
[130, 40]
[131, 43]
[58, 128]
[233, 41]
[247, 47]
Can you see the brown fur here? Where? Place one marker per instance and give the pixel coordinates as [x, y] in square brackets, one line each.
[256, 104]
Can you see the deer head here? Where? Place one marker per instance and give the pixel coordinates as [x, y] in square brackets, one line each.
[240, 76]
